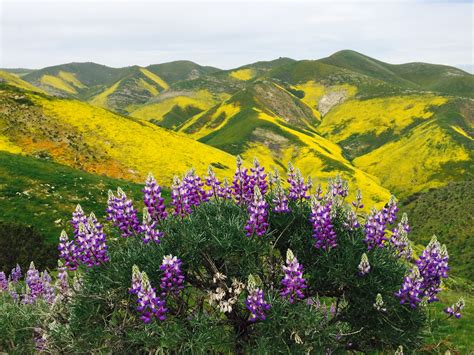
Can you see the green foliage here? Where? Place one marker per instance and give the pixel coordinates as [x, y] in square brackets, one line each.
[21, 244]
[42, 194]
[212, 240]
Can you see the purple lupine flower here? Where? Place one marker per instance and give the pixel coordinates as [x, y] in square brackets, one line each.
[172, 281]
[40, 340]
[153, 200]
[3, 282]
[433, 266]
[256, 305]
[67, 251]
[62, 282]
[34, 285]
[136, 280]
[122, 214]
[274, 179]
[323, 230]
[358, 202]
[213, 183]
[258, 215]
[280, 200]
[12, 291]
[351, 221]
[338, 187]
[319, 194]
[225, 191]
[149, 229]
[241, 186]
[193, 185]
[98, 240]
[298, 189]
[293, 282]
[258, 178]
[364, 266]
[455, 309]
[149, 305]
[16, 274]
[390, 210]
[375, 229]
[78, 217]
[49, 292]
[332, 310]
[179, 198]
[411, 291]
[399, 240]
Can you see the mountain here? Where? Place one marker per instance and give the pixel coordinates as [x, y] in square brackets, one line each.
[422, 76]
[93, 139]
[406, 129]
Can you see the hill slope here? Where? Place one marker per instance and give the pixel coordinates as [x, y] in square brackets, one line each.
[96, 140]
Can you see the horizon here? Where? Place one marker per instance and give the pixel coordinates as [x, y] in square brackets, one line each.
[469, 68]
[231, 34]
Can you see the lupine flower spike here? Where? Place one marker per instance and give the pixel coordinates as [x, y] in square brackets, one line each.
[364, 266]
[280, 200]
[379, 304]
[172, 281]
[323, 230]
[149, 229]
[399, 239]
[122, 214]
[153, 200]
[299, 191]
[258, 177]
[149, 304]
[15, 274]
[213, 183]
[433, 266]
[241, 185]
[3, 282]
[255, 302]
[455, 309]
[293, 282]
[257, 223]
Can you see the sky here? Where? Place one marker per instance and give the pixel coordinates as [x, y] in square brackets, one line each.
[226, 34]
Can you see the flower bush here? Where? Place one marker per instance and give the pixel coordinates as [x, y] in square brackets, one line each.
[242, 267]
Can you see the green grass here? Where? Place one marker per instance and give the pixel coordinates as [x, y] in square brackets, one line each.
[447, 212]
[43, 194]
[456, 335]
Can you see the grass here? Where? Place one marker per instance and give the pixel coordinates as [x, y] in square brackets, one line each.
[43, 194]
[448, 212]
[456, 335]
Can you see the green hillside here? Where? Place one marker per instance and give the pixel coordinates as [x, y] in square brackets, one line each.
[180, 70]
[43, 194]
[448, 212]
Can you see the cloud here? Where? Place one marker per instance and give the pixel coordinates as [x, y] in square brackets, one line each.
[228, 34]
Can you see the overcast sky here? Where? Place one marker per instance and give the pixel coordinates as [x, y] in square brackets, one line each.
[227, 34]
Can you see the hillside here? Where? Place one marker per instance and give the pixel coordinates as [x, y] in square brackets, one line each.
[42, 194]
[451, 217]
[422, 76]
[95, 140]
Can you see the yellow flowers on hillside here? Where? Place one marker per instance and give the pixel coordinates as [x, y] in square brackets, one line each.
[138, 146]
[57, 83]
[14, 80]
[201, 99]
[412, 163]
[214, 123]
[377, 115]
[242, 74]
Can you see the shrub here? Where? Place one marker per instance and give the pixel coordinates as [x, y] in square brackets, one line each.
[248, 267]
